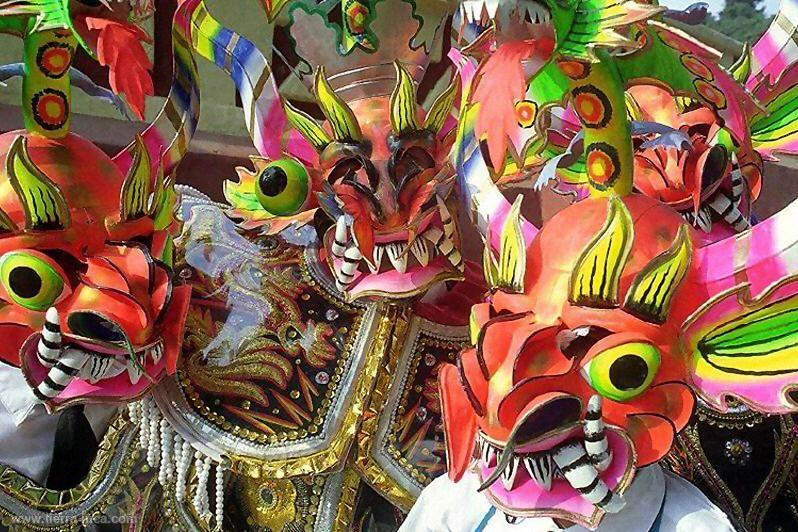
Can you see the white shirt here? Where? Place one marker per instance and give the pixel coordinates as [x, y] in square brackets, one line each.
[657, 501]
[27, 431]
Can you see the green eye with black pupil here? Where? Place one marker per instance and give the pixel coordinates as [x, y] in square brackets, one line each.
[283, 187]
[623, 372]
[30, 281]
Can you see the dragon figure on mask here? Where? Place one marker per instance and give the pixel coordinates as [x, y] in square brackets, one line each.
[578, 80]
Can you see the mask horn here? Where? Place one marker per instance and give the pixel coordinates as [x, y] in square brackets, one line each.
[343, 121]
[403, 102]
[595, 281]
[442, 107]
[307, 127]
[653, 289]
[43, 201]
[138, 184]
[508, 272]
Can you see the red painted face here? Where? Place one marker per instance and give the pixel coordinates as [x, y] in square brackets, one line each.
[688, 179]
[393, 187]
[584, 364]
[89, 309]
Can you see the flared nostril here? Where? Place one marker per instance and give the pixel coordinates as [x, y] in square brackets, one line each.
[559, 412]
[95, 327]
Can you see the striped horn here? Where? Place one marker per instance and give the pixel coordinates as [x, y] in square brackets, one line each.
[582, 475]
[60, 375]
[49, 347]
[596, 443]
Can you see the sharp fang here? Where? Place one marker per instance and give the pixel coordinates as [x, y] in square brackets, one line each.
[420, 251]
[540, 469]
[346, 269]
[596, 443]
[379, 252]
[493, 6]
[134, 370]
[397, 254]
[445, 246]
[508, 475]
[490, 453]
[341, 238]
[157, 353]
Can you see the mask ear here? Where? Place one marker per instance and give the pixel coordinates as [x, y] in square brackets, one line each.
[459, 422]
[747, 349]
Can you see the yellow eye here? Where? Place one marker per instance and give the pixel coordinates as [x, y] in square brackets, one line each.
[283, 187]
[30, 280]
[623, 372]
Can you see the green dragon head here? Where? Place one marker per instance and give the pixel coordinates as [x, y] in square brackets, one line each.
[579, 26]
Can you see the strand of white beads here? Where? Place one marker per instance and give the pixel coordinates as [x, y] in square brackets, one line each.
[144, 425]
[154, 443]
[177, 454]
[206, 503]
[166, 451]
[182, 471]
[219, 503]
[133, 413]
[202, 483]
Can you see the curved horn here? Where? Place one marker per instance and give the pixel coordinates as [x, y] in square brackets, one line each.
[442, 107]
[343, 121]
[596, 278]
[307, 127]
[137, 187]
[404, 109]
[44, 204]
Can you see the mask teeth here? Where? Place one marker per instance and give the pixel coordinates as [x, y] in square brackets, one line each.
[509, 473]
[596, 443]
[541, 469]
[49, 347]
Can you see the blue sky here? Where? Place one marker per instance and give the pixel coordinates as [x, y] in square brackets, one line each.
[771, 6]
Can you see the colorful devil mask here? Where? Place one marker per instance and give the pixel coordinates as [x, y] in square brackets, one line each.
[589, 350]
[382, 178]
[88, 305]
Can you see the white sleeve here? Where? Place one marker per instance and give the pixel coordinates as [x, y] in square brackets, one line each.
[687, 509]
[446, 506]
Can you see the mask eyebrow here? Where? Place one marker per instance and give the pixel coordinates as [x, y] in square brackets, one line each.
[501, 318]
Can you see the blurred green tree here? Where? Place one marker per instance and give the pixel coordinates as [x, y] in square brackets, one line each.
[743, 20]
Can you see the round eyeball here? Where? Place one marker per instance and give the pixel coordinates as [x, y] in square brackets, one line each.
[30, 280]
[623, 372]
[283, 187]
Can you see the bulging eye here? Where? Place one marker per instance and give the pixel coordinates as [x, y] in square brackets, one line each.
[623, 372]
[283, 187]
[31, 281]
